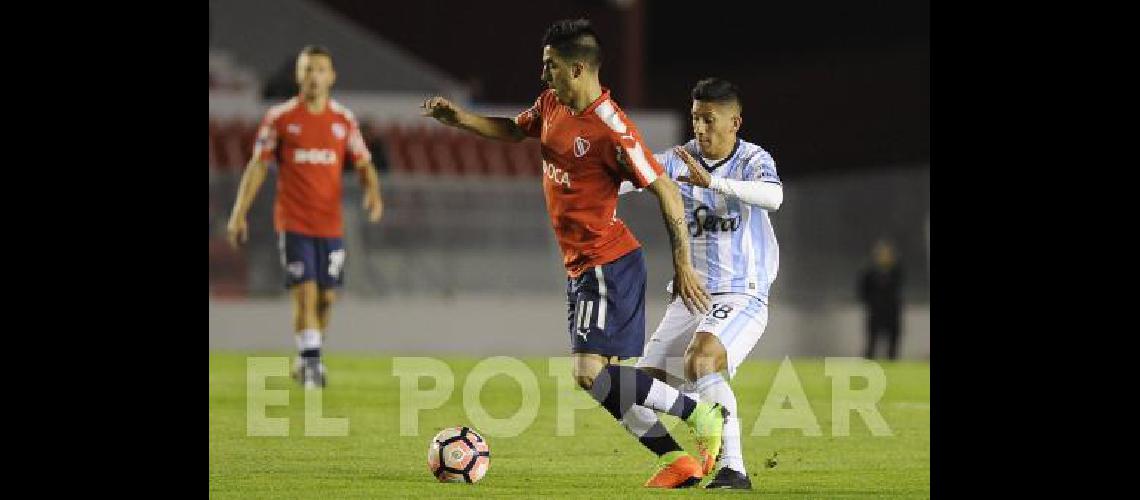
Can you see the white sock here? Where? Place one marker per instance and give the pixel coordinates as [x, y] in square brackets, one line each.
[713, 388]
[308, 339]
[688, 390]
[663, 397]
[638, 420]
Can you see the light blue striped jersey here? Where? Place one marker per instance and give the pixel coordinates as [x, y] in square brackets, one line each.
[732, 243]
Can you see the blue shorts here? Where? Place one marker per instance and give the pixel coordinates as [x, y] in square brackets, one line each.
[307, 258]
[607, 308]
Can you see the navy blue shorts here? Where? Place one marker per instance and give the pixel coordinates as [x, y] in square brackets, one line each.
[308, 258]
[607, 308]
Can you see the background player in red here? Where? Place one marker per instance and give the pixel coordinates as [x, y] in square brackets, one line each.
[583, 131]
[309, 137]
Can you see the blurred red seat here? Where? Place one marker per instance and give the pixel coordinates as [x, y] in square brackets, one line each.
[495, 158]
[228, 270]
[229, 144]
[467, 152]
[525, 158]
[440, 143]
[416, 151]
[247, 138]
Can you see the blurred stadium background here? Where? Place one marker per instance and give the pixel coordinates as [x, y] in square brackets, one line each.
[464, 260]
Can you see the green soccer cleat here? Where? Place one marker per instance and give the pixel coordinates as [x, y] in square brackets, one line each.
[707, 424]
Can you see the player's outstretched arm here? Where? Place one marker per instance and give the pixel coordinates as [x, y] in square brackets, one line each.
[491, 127]
[251, 180]
[685, 282]
[373, 204]
[766, 195]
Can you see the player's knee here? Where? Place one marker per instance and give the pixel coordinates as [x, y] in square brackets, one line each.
[327, 298]
[697, 366]
[585, 375]
[586, 382]
[305, 294]
[704, 357]
[587, 368]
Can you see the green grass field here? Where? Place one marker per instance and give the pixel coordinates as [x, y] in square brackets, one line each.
[600, 460]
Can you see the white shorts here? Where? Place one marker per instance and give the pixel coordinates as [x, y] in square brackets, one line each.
[736, 319]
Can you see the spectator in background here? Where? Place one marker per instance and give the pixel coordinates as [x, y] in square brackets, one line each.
[880, 291]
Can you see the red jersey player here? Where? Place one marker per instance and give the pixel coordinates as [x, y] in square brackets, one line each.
[589, 146]
[309, 137]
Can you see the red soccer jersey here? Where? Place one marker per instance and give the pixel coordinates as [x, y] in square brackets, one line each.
[582, 176]
[310, 149]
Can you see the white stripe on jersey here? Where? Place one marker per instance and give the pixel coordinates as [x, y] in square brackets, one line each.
[731, 261]
[713, 269]
[339, 108]
[638, 156]
[746, 242]
[609, 115]
[275, 112]
[772, 254]
[700, 251]
[724, 238]
[267, 133]
[601, 296]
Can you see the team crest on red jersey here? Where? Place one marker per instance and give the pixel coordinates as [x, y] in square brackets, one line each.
[581, 146]
[338, 130]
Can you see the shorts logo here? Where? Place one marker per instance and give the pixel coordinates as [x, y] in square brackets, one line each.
[296, 269]
[338, 130]
[581, 146]
[585, 313]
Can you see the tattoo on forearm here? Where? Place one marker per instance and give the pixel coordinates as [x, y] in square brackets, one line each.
[676, 227]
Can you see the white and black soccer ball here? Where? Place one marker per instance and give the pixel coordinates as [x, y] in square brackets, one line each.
[458, 455]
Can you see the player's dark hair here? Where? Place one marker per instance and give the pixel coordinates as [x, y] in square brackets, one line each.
[317, 50]
[576, 40]
[716, 90]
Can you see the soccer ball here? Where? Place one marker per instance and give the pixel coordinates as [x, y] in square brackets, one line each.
[458, 455]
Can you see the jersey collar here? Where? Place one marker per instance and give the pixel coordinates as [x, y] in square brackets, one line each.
[597, 102]
[305, 105]
[701, 157]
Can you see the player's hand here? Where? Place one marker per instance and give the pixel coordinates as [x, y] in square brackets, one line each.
[441, 109]
[698, 176]
[374, 206]
[690, 289]
[237, 231]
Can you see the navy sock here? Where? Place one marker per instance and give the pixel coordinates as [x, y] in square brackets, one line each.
[619, 387]
[658, 440]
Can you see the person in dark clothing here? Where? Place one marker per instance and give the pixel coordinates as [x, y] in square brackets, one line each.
[880, 291]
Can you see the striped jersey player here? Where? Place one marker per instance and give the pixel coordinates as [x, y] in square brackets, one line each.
[728, 185]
